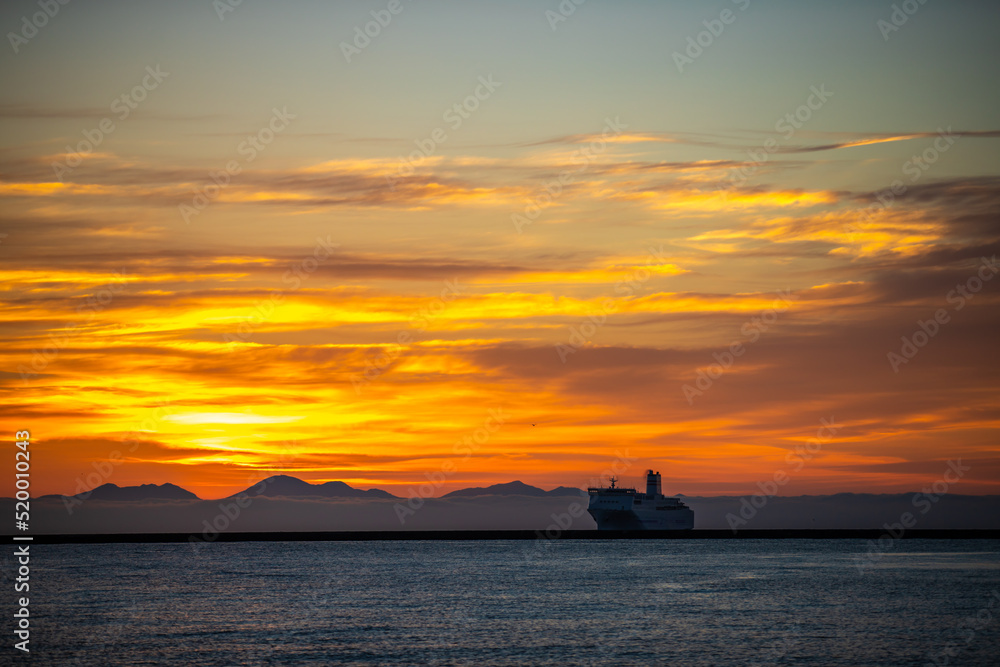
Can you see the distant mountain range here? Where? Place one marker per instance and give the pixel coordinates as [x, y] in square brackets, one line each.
[286, 486]
[143, 492]
[516, 488]
[284, 503]
[292, 487]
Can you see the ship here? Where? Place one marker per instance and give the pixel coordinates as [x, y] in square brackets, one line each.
[617, 508]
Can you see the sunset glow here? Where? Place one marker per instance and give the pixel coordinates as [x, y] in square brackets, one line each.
[593, 253]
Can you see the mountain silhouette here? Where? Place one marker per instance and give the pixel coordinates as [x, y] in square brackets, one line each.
[288, 486]
[515, 488]
[111, 491]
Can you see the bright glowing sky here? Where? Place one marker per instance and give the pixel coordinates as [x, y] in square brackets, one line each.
[210, 348]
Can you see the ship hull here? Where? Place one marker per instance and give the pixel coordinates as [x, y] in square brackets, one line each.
[618, 519]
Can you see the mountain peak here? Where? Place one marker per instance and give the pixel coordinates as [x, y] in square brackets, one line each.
[109, 491]
[288, 486]
[515, 488]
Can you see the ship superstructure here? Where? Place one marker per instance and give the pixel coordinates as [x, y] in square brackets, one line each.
[617, 508]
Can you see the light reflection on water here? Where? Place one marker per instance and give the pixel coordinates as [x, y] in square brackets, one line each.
[677, 602]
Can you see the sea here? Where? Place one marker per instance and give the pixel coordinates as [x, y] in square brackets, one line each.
[570, 602]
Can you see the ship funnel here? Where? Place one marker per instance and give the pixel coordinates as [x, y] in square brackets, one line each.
[652, 483]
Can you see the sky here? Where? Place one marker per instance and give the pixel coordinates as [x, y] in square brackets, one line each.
[432, 245]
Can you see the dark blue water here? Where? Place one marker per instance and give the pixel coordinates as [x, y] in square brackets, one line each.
[710, 602]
